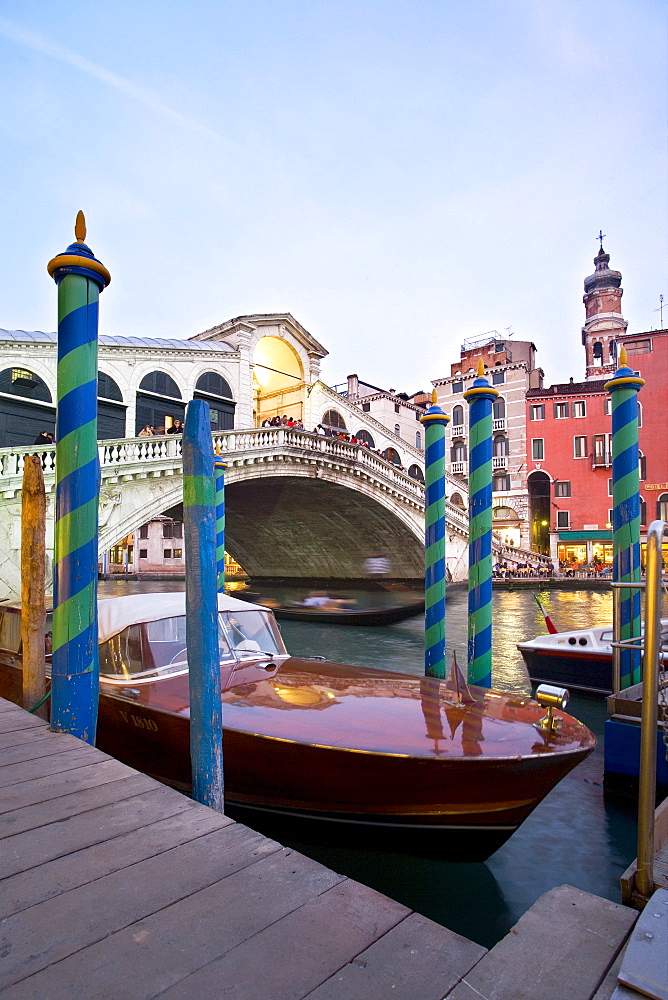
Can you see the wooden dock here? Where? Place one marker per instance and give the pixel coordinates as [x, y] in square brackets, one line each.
[112, 885]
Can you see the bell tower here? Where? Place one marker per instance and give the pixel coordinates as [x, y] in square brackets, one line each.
[604, 322]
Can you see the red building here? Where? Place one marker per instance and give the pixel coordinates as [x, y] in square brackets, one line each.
[569, 460]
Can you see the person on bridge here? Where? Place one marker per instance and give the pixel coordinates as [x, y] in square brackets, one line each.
[176, 428]
[44, 437]
[146, 432]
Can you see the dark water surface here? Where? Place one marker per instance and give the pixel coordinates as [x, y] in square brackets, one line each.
[573, 837]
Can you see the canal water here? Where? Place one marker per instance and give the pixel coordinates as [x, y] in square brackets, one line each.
[574, 836]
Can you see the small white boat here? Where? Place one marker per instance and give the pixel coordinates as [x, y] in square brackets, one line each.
[580, 659]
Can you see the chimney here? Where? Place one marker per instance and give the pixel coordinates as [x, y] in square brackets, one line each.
[353, 387]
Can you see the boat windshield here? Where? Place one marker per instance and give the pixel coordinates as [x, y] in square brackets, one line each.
[157, 649]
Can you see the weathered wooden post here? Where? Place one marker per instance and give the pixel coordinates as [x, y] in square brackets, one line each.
[206, 710]
[219, 470]
[480, 398]
[624, 387]
[435, 422]
[33, 579]
[75, 671]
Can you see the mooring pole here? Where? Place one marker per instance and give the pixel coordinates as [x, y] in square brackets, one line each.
[480, 398]
[435, 422]
[75, 671]
[219, 471]
[624, 387]
[199, 517]
[33, 579]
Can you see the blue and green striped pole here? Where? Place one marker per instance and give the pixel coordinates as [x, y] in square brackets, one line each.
[219, 467]
[435, 422]
[199, 522]
[624, 387]
[75, 663]
[480, 398]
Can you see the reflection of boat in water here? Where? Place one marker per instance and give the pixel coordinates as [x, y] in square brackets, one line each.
[403, 758]
[581, 658]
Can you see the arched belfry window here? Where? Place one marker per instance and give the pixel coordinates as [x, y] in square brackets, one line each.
[333, 418]
[598, 353]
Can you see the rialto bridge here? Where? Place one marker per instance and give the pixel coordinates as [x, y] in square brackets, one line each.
[298, 505]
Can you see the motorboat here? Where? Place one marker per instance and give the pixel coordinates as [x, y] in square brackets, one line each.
[579, 659]
[339, 615]
[396, 759]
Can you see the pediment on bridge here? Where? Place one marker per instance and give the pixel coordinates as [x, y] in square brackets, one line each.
[243, 329]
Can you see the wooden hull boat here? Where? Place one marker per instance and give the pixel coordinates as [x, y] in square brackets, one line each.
[394, 757]
[579, 659]
[350, 616]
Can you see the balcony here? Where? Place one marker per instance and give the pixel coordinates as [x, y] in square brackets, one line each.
[457, 430]
[458, 468]
[601, 461]
[499, 425]
[499, 462]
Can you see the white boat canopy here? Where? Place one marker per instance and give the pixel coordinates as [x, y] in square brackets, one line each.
[117, 613]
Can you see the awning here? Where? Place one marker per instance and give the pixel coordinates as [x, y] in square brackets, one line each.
[585, 536]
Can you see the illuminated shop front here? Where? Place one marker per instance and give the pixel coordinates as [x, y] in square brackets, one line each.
[506, 525]
[585, 548]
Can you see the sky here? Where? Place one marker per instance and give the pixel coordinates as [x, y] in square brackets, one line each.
[399, 175]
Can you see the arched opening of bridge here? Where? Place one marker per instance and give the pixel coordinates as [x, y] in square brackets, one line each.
[110, 409]
[309, 529]
[278, 381]
[215, 390]
[159, 402]
[539, 511]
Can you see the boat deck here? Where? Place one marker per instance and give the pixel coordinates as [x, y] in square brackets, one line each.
[115, 885]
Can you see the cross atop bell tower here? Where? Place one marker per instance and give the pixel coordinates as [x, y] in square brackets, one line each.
[604, 322]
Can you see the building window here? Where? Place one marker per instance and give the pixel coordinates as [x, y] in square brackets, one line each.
[639, 414]
[537, 449]
[418, 439]
[143, 553]
[610, 513]
[396, 407]
[643, 512]
[167, 553]
[609, 487]
[397, 430]
[642, 467]
[563, 519]
[580, 447]
[366, 407]
[662, 507]
[638, 346]
[499, 408]
[498, 378]
[537, 411]
[579, 409]
[608, 405]
[458, 416]
[501, 483]
[562, 489]
[172, 529]
[457, 387]
[143, 531]
[178, 553]
[458, 452]
[500, 445]
[560, 411]
[117, 555]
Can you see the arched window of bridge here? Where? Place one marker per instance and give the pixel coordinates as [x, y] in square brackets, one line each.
[392, 455]
[27, 408]
[110, 415]
[366, 438]
[456, 501]
[158, 402]
[415, 472]
[334, 419]
[213, 388]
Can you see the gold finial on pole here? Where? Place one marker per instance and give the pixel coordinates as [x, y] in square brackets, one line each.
[481, 368]
[622, 358]
[80, 228]
[434, 397]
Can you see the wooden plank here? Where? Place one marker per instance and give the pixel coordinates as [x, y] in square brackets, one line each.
[22, 797]
[144, 803]
[18, 718]
[6, 706]
[417, 958]
[29, 887]
[297, 953]
[249, 881]
[42, 747]
[18, 737]
[566, 943]
[27, 770]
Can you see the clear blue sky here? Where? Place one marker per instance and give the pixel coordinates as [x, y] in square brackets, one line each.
[399, 175]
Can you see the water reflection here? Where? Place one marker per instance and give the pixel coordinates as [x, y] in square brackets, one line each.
[573, 836]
